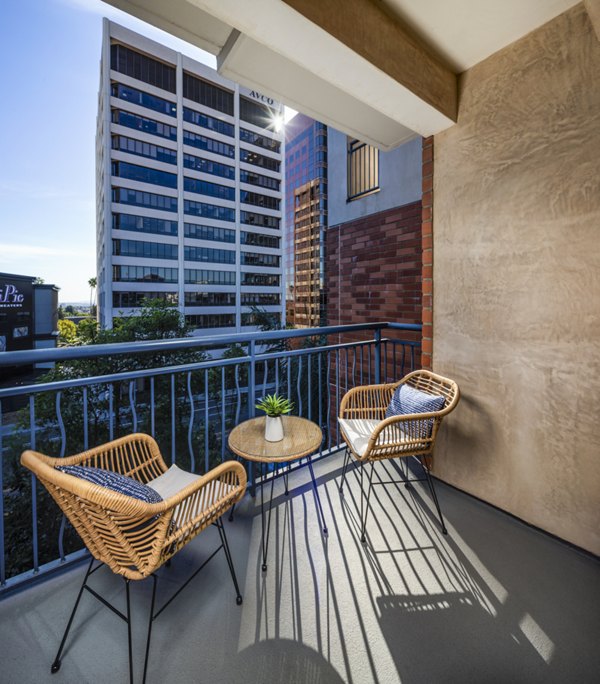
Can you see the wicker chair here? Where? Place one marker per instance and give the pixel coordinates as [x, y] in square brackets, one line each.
[371, 437]
[134, 538]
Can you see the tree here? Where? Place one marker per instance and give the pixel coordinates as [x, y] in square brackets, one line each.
[67, 332]
[92, 282]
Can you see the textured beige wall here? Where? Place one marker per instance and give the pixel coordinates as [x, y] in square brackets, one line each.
[517, 280]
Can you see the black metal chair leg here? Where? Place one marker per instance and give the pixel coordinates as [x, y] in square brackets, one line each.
[56, 664]
[344, 469]
[231, 512]
[129, 639]
[229, 558]
[363, 519]
[150, 621]
[314, 483]
[435, 499]
[265, 533]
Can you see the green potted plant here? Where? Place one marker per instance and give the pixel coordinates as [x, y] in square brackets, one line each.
[275, 407]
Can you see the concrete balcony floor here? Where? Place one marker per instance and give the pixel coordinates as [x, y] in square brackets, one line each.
[494, 601]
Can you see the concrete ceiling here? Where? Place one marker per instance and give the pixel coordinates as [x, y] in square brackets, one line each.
[379, 70]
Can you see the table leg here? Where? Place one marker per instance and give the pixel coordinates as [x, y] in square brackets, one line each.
[265, 538]
[314, 482]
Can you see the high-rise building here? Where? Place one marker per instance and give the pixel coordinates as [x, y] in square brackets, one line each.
[305, 221]
[189, 198]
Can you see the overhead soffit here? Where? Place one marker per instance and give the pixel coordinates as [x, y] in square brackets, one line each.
[352, 63]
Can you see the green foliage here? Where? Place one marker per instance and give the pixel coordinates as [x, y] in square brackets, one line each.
[67, 332]
[274, 405]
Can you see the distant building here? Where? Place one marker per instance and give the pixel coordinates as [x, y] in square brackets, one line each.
[305, 221]
[189, 198]
[28, 313]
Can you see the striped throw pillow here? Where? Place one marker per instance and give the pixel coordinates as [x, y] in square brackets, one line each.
[113, 481]
[407, 400]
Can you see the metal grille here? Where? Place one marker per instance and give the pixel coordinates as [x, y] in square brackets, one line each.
[363, 169]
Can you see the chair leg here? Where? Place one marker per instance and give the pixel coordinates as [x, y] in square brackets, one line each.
[150, 621]
[363, 516]
[434, 496]
[129, 638]
[229, 558]
[56, 664]
[344, 469]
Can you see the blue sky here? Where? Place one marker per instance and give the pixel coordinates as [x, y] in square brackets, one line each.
[50, 50]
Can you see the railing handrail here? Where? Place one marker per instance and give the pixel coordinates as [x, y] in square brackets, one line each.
[90, 351]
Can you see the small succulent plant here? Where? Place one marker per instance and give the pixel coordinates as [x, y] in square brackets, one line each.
[274, 405]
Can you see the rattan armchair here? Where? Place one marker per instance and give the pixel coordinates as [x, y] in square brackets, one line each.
[371, 437]
[132, 537]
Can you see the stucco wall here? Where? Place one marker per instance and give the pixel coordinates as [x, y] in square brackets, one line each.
[517, 280]
[399, 180]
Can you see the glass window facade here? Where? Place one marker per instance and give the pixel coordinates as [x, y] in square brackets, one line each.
[208, 211]
[198, 232]
[135, 299]
[258, 179]
[144, 149]
[261, 279]
[260, 299]
[260, 140]
[138, 198]
[144, 274]
[148, 250]
[157, 104]
[363, 169]
[211, 320]
[259, 160]
[257, 259]
[259, 240]
[253, 319]
[202, 187]
[132, 63]
[207, 121]
[144, 224]
[207, 94]
[210, 298]
[256, 113]
[254, 219]
[206, 254]
[143, 174]
[141, 123]
[208, 144]
[208, 166]
[202, 276]
[259, 200]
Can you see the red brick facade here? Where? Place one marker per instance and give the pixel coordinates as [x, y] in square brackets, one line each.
[427, 239]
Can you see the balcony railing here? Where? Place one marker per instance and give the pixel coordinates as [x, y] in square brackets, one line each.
[188, 393]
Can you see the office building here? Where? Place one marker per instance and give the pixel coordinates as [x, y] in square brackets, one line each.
[305, 221]
[189, 199]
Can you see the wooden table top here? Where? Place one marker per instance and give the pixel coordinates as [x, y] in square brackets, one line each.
[301, 437]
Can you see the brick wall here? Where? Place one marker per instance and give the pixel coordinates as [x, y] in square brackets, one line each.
[427, 240]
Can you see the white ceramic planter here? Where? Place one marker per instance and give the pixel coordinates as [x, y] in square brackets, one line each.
[274, 429]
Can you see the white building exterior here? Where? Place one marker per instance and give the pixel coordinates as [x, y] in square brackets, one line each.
[189, 169]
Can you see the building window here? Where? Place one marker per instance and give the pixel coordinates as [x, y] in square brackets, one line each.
[258, 259]
[260, 299]
[201, 276]
[144, 224]
[255, 113]
[197, 232]
[206, 254]
[157, 104]
[260, 279]
[363, 169]
[141, 123]
[259, 200]
[260, 140]
[211, 211]
[208, 166]
[143, 174]
[254, 319]
[144, 149]
[211, 320]
[207, 94]
[136, 299]
[254, 219]
[144, 274]
[207, 121]
[260, 240]
[258, 179]
[208, 144]
[210, 298]
[143, 68]
[138, 198]
[202, 187]
[147, 250]
[259, 160]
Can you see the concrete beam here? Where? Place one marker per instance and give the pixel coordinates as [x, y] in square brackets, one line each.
[593, 9]
[372, 32]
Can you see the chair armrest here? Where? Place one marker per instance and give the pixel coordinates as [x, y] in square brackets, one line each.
[367, 401]
[414, 431]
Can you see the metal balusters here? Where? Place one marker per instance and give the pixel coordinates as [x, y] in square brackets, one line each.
[361, 365]
[63, 448]
[252, 379]
[34, 521]
[265, 373]
[152, 411]
[412, 357]
[222, 413]
[111, 425]
[337, 394]
[277, 376]
[239, 394]
[191, 423]
[206, 419]
[377, 357]
[353, 366]
[173, 418]
[320, 421]
[86, 438]
[329, 400]
[299, 386]
[395, 366]
[346, 375]
[132, 405]
[309, 370]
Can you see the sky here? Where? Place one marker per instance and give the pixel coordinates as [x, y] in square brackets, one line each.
[50, 50]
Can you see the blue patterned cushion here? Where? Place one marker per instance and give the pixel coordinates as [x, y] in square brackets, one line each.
[407, 400]
[114, 481]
